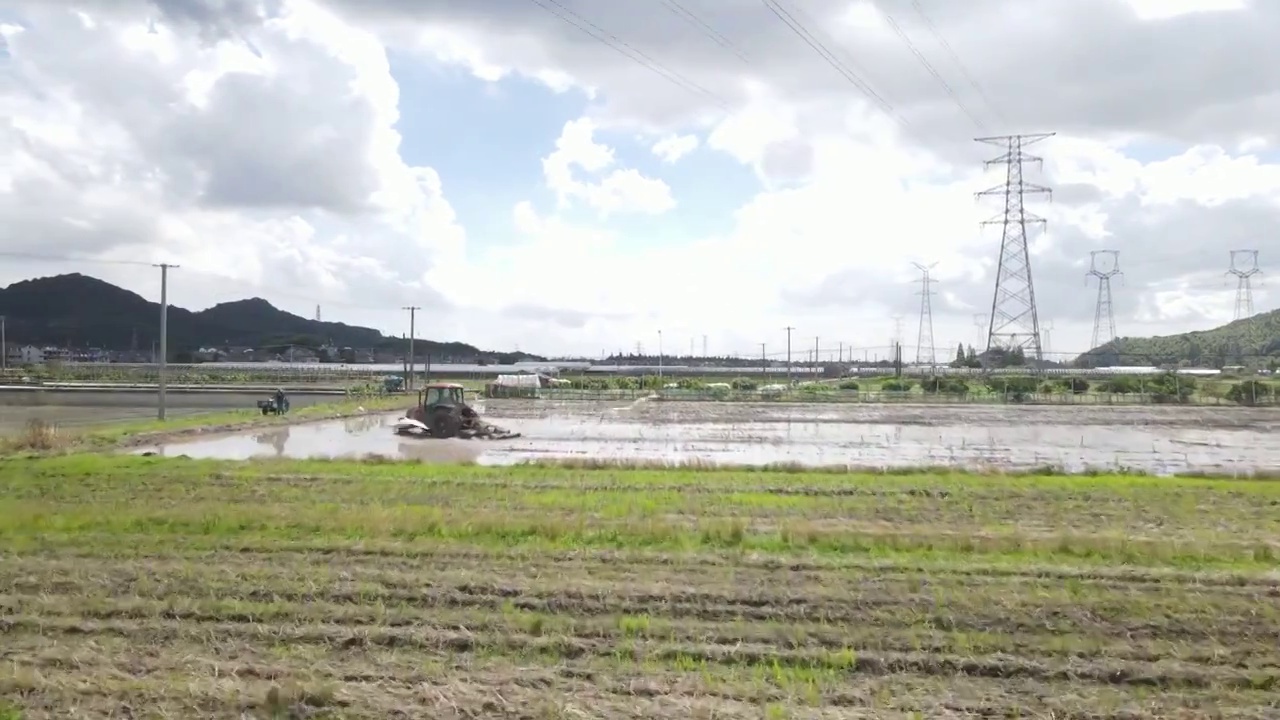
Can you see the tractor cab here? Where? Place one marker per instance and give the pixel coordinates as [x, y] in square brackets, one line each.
[441, 394]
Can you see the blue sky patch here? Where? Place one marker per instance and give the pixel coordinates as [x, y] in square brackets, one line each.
[486, 140]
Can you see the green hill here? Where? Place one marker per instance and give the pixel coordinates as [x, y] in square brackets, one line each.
[77, 311]
[1251, 341]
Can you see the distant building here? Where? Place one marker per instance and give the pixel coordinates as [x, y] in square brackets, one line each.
[30, 355]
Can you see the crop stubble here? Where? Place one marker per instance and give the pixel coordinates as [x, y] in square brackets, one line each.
[306, 588]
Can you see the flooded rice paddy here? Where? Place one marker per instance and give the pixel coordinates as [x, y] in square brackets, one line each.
[1160, 440]
[83, 408]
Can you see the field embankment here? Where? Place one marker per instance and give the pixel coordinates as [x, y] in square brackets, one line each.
[61, 429]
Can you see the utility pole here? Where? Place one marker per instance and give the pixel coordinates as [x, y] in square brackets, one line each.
[789, 329]
[1103, 311]
[897, 333]
[925, 352]
[840, 352]
[659, 354]
[764, 364]
[413, 360]
[1014, 320]
[163, 373]
[704, 346]
[1047, 330]
[816, 352]
[1244, 265]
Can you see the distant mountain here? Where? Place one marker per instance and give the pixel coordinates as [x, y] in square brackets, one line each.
[84, 312]
[1253, 340]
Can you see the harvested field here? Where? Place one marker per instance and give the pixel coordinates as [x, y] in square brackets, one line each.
[182, 588]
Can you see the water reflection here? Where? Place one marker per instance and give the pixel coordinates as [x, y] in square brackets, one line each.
[277, 438]
[362, 423]
[1076, 448]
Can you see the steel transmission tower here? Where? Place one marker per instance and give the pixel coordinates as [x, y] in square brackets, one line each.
[1244, 265]
[1104, 314]
[1014, 320]
[925, 352]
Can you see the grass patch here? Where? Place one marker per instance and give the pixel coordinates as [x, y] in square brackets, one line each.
[1135, 520]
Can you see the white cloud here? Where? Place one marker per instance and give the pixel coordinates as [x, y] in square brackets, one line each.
[1166, 9]
[154, 146]
[279, 171]
[673, 147]
[620, 191]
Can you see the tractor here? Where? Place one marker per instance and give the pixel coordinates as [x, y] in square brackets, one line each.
[442, 412]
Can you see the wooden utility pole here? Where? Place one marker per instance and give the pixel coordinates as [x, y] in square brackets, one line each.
[789, 329]
[413, 364]
[163, 372]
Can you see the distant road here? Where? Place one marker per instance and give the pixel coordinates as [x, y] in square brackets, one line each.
[152, 388]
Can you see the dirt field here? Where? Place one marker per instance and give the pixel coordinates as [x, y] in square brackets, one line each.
[1157, 440]
[140, 587]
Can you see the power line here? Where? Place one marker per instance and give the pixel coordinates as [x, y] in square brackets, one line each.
[72, 259]
[626, 50]
[1244, 265]
[1015, 322]
[928, 66]
[955, 60]
[1104, 312]
[925, 351]
[692, 19]
[798, 27]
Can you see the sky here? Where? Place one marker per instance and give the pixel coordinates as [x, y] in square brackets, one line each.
[584, 177]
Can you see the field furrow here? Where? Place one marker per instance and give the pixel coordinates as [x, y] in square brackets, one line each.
[183, 589]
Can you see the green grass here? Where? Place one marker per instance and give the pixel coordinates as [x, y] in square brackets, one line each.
[144, 502]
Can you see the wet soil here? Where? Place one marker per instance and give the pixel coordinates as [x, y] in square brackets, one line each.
[1158, 440]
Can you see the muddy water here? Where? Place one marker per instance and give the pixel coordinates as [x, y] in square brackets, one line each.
[617, 433]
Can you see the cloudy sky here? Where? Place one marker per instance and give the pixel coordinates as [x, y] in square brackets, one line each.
[578, 176]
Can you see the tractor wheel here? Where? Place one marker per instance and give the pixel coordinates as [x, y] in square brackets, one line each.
[445, 423]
